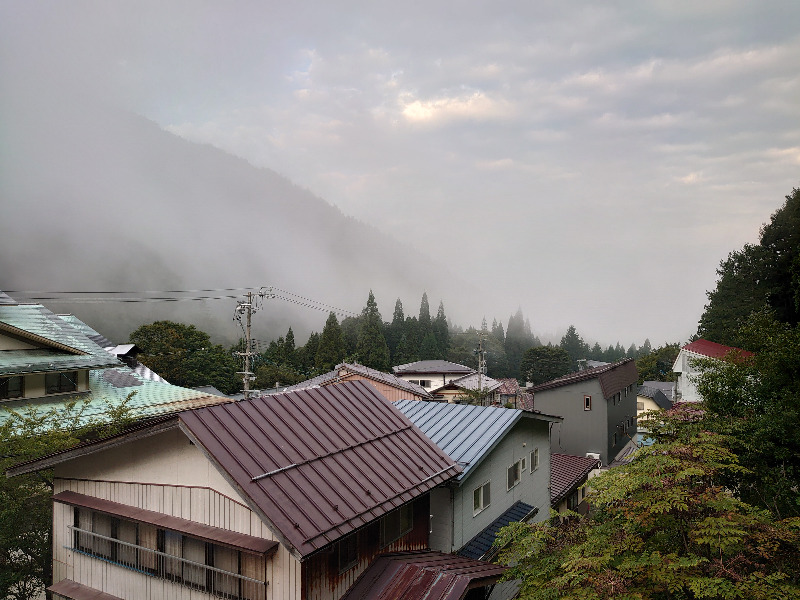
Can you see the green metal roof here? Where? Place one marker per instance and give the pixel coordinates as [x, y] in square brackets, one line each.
[70, 348]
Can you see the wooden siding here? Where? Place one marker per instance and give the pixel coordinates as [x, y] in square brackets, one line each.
[322, 580]
[392, 393]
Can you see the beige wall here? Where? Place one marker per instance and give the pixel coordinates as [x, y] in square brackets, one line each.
[8, 342]
[167, 474]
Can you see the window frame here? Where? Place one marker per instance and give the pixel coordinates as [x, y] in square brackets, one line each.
[347, 552]
[485, 492]
[517, 467]
[64, 384]
[5, 387]
[587, 402]
[534, 459]
[406, 509]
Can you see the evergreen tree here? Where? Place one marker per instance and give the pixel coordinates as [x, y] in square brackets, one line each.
[424, 324]
[544, 363]
[331, 348]
[441, 333]
[351, 326]
[395, 330]
[289, 349]
[576, 348]
[372, 349]
[644, 349]
[307, 355]
[497, 331]
[518, 339]
[429, 349]
[413, 341]
[631, 353]
[596, 353]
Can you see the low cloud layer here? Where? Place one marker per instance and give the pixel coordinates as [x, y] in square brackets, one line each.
[589, 163]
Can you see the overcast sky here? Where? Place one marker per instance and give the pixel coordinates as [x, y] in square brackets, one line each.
[592, 162]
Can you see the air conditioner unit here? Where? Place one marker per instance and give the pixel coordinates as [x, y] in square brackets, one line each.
[594, 455]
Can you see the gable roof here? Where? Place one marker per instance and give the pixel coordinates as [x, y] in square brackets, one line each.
[712, 349]
[470, 382]
[466, 432]
[612, 377]
[366, 372]
[61, 345]
[422, 574]
[656, 395]
[432, 366]
[319, 463]
[567, 473]
[481, 545]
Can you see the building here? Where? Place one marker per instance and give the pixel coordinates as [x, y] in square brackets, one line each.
[49, 360]
[599, 410]
[568, 477]
[470, 388]
[431, 374]
[513, 395]
[505, 456]
[290, 496]
[390, 386]
[687, 369]
[650, 399]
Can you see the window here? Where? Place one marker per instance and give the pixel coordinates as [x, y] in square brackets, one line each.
[614, 440]
[587, 403]
[348, 552]
[11, 387]
[396, 524]
[640, 406]
[572, 501]
[426, 383]
[167, 554]
[481, 498]
[515, 473]
[534, 459]
[57, 383]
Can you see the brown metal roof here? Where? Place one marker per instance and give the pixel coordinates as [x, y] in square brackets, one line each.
[613, 378]
[77, 591]
[427, 574]
[318, 463]
[240, 541]
[567, 473]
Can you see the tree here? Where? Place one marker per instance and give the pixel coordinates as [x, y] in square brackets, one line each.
[185, 356]
[331, 349]
[544, 363]
[762, 276]
[657, 364]
[518, 339]
[756, 401]
[441, 332]
[395, 330]
[26, 505]
[575, 347]
[661, 527]
[424, 320]
[372, 349]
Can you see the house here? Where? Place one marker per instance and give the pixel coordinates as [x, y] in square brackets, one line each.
[289, 496]
[390, 386]
[49, 360]
[512, 394]
[505, 456]
[599, 410]
[568, 476]
[650, 399]
[474, 386]
[686, 368]
[431, 374]
[668, 388]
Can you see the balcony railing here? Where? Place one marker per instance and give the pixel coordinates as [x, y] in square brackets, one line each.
[148, 561]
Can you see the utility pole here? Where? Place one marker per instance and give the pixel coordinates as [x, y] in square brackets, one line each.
[246, 308]
[481, 365]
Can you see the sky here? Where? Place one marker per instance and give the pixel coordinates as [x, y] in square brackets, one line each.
[590, 162]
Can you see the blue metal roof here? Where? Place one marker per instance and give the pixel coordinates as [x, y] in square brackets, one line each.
[481, 544]
[467, 433]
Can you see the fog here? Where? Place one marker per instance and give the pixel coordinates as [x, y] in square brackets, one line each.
[589, 164]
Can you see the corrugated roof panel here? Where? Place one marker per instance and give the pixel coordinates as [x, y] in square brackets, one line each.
[432, 366]
[479, 546]
[465, 432]
[567, 472]
[321, 462]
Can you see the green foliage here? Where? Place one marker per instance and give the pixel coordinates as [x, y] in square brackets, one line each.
[372, 350]
[544, 363]
[331, 348]
[756, 401]
[518, 339]
[26, 506]
[441, 333]
[185, 356]
[575, 347]
[757, 277]
[661, 527]
[656, 365]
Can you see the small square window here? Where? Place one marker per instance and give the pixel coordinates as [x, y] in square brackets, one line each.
[11, 387]
[57, 383]
[587, 403]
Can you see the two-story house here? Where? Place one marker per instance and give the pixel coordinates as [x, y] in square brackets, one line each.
[599, 410]
[431, 374]
[687, 369]
[390, 386]
[505, 457]
[289, 496]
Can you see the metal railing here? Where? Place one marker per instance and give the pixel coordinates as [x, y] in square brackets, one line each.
[148, 561]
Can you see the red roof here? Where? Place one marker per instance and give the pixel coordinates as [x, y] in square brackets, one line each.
[567, 473]
[613, 378]
[713, 350]
[318, 463]
[427, 574]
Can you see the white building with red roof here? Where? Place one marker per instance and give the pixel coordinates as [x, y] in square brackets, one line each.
[687, 367]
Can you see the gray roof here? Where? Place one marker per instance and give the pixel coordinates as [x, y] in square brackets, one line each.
[369, 373]
[467, 433]
[655, 395]
[470, 382]
[481, 545]
[432, 366]
[62, 345]
[668, 387]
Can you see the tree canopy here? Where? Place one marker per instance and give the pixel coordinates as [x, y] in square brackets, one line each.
[544, 363]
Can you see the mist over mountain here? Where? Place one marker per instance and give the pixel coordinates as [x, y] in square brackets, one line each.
[98, 199]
